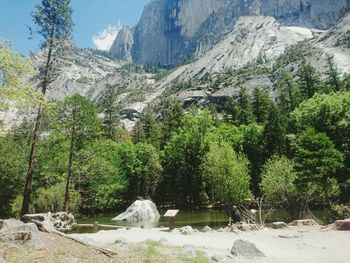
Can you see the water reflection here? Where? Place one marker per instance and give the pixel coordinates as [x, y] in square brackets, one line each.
[195, 218]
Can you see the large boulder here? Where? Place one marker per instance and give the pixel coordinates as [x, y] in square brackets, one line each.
[140, 211]
[245, 249]
[23, 234]
[10, 223]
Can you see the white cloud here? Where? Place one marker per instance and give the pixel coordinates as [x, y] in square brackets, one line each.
[104, 39]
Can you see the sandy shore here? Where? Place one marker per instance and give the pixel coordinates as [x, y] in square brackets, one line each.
[292, 244]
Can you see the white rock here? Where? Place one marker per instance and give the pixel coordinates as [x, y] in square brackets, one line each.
[140, 211]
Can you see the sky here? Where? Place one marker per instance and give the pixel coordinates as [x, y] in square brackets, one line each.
[96, 22]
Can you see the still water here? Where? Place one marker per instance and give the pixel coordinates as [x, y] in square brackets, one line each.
[195, 218]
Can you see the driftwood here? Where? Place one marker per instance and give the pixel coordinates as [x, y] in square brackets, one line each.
[57, 223]
[51, 222]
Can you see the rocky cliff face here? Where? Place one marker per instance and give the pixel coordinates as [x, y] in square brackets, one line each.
[121, 47]
[172, 31]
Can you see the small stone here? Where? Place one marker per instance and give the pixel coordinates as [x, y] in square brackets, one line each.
[218, 258]
[188, 252]
[163, 241]
[342, 225]
[279, 225]
[304, 222]
[245, 249]
[207, 229]
[2, 260]
[186, 230]
[243, 227]
[144, 248]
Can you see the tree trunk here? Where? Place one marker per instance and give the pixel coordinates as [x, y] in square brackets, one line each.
[70, 170]
[31, 166]
[35, 141]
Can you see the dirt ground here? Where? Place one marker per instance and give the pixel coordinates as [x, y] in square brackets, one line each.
[56, 249]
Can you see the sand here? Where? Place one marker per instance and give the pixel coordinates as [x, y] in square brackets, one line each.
[292, 244]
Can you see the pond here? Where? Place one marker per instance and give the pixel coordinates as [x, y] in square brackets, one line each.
[195, 218]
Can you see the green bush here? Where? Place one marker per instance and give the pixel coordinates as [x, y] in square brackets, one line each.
[339, 212]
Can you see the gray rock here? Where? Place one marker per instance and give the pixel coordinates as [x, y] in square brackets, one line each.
[2, 260]
[218, 257]
[207, 229]
[26, 234]
[245, 249]
[121, 244]
[304, 222]
[188, 252]
[171, 31]
[11, 223]
[140, 211]
[163, 241]
[278, 225]
[186, 230]
[122, 44]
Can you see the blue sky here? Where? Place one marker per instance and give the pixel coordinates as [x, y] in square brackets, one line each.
[96, 21]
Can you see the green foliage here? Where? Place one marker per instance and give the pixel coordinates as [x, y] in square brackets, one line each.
[12, 170]
[309, 80]
[147, 131]
[99, 177]
[340, 212]
[261, 103]
[333, 74]
[275, 133]
[12, 68]
[279, 187]
[226, 173]
[54, 20]
[182, 159]
[317, 161]
[172, 116]
[107, 106]
[245, 114]
[52, 198]
[328, 113]
[140, 165]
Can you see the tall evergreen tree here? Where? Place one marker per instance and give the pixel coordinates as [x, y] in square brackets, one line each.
[78, 121]
[309, 80]
[107, 105]
[171, 121]
[333, 74]
[261, 103]
[245, 107]
[54, 22]
[275, 133]
[288, 97]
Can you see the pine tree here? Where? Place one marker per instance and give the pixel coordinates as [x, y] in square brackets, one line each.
[288, 96]
[309, 80]
[261, 103]
[333, 74]
[78, 121]
[245, 107]
[171, 121]
[275, 133]
[107, 105]
[54, 22]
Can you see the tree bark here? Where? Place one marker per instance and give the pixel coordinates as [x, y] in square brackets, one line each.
[70, 169]
[35, 140]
